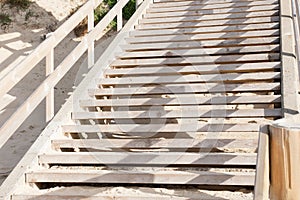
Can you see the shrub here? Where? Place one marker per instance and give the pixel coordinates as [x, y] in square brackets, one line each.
[20, 4]
[5, 20]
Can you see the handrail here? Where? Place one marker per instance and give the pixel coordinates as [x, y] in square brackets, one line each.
[45, 50]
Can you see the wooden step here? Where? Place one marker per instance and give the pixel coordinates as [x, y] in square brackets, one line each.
[183, 100]
[165, 128]
[148, 177]
[195, 69]
[244, 10]
[225, 16]
[205, 78]
[216, 29]
[146, 158]
[158, 2]
[201, 44]
[208, 3]
[204, 36]
[186, 89]
[209, 23]
[184, 113]
[148, 144]
[206, 59]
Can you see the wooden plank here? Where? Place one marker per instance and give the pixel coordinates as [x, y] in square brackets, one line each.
[208, 4]
[195, 69]
[206, 29]
[214, 11]
[184, 113]
[205, 78]
[255, 57]
[201, 44]
[204, 36]
[146, 158]
[226, 22]
[209, 17]
[166, 128]
[214, 7]
[183, 100]
[167, 2]
[146, 143]
[130, 177]
[200, 52]
[262, 178]
[185, 89]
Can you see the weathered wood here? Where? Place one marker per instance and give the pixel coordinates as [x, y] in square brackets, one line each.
[206, 6]
[146, 158]
[211, 29]
[285, 161]
[201, 44]
[209, 23]
[205, 78]
[262, 178]
[204, 36]
[145, 143]
[166, 128]
[195, 69]
[209, 17]
[258, 57]
[290, 74]
[50, 97]
[183, 100]
[159, 177]
[187, 89]
[216, 11]
[184, 113]
[167, 2]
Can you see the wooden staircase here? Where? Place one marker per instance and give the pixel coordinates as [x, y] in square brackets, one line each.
[179, 108]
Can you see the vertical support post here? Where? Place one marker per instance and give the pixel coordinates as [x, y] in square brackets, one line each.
[120, 20]
[91, 49]
[262, 178]
[285, 162]
[50, 96]
[137, 3]
[289, 76]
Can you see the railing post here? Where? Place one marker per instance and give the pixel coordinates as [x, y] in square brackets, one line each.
[285, 162]
[119, 20]
[91, 50]
[50, 96]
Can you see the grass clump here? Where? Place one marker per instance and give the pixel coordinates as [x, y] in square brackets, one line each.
[20, 4]
[5, 20]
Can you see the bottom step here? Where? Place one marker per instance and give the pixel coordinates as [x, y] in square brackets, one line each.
[131, 193]
[141, 177]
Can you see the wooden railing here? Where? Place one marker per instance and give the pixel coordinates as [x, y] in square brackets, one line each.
[55, 74]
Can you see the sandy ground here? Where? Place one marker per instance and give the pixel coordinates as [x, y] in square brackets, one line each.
[16, 42]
